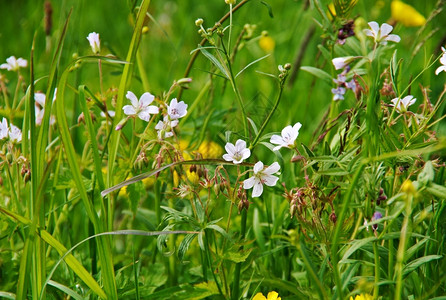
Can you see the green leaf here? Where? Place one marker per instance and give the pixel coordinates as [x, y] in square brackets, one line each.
[355, 245]
[215, 61]
[270, 9]
[437, 190]
[134, 192]
[427, 174]
[318, 73]
[250, 64]
[237, 255]
[413, 265]
[334, 172]
[66, 290]
[184, 246]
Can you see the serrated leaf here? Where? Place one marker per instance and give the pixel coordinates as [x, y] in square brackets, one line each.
[184, 245]
[237, 256]
[318, 73]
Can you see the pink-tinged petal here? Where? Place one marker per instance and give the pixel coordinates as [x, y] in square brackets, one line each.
[152, 109]
[393, 38]
[258, 189]
[227, 157]
[230, 148]
[386, 29]
[374, 26]
[270, 180]
[174, 123]
[22, 62]
[240, 145]
[40, 98]
[258, 167]
[368, 32]
[129, 110]
[249, 183]
[144, 115]
[272, 168]
[276, 139]
[133, 99]
[146, 99]
[245, 153]
[440, 69]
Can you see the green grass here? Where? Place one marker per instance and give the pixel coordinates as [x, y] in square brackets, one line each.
[89, 212]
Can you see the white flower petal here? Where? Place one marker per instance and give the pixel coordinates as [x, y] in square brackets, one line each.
[230, 148]
[258, 189]
[270, 180]
[258, 167]
[22, 62]
[40, 98]
[152, 109]
[146, 99]
[174, 123]
[245, 153]
[385, 29]
[133, 99]
[272, 168]
[129, 110]
[240, 145]
[228, 157]
[440, 69]
[393, 38]
[249, 183]
[276, 139]
[144, 115]
[374, 26]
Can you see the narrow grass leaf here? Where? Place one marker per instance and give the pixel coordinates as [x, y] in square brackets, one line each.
[66, 290]
[318, 73]
[413, 265]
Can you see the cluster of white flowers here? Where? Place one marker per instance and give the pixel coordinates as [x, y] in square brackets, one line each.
[13, 132]
[175, 111]
[262, 175]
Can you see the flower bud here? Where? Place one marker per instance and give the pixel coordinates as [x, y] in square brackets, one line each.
[145, 29]
[230, 2]
[287, 66]
[408, 187]
[9, 157]
[121, 124]
[198, 22]
[333, 217]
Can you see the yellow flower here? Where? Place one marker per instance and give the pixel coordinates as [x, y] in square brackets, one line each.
[271, 296]
[362, 297]
[267, 43]
[406, 14]
[210, 149]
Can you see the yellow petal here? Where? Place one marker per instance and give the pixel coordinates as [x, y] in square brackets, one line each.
[267, 43]
[259, 296]
[406, 14]
[273, 296]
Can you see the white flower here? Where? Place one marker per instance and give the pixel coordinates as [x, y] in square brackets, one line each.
[261, 176]
[95, 43]
[237, 153]
[381, 34]
[176, 109]
[289, 136]
[442, 61]
[15, 135]
[140, 107]
[403, 104]
[40, 110]
[338, 93]
[165, 127]
[4, 129]
[341, 62]
[13, 64]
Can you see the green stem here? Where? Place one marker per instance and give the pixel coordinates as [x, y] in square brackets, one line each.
[402, 248]
[238, 267]
[377, 278]
[208, 257]
[268, 118]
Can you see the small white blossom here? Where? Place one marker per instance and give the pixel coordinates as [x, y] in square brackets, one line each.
[13, 64]
[4, 129]
[165, 126]
[288, 138]
[382, 34]
[15, 134]
[176, 109]
[442, 61]
[141, 107]
[95, 43]
[338, 93]
[40, 109]
[403, 104]
[261, 176]
[342, 62]
[237, 153]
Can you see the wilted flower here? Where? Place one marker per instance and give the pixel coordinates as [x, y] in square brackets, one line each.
[261, 176]
[288, 138]
[442, 61]
[382, 34]
[15, 134]
[238, 153]
[403, 104]
[95, 43]
[376, 216]
[176, 109]
[338, 93]
[271, 296]
[165, 127]
[13, 64]
[4, 129]
[406, 14]
[141, 107]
